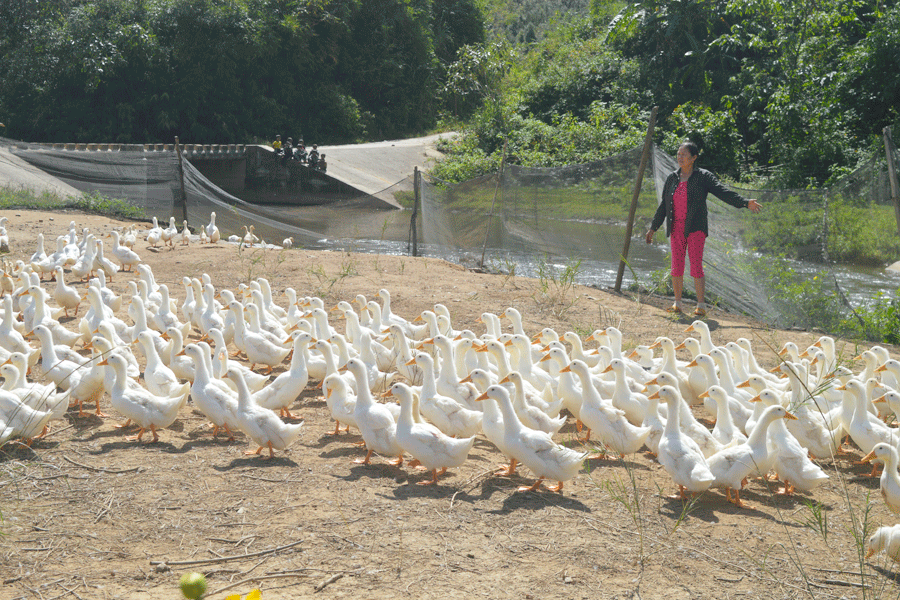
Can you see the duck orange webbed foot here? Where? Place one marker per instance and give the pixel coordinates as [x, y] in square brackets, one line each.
[364, 461]
[533, 487]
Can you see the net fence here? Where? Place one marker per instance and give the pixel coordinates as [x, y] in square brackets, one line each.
[544, 221]
[151, 180]
[538, 222]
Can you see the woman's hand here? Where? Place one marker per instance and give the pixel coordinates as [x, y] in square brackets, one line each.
[754, 206]
[649, 236]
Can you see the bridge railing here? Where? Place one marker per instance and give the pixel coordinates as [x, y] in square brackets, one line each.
[209, 150]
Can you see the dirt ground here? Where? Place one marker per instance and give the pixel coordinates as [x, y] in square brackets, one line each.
[86, 514]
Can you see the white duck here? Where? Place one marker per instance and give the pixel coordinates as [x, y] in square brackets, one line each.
[730, 466]
[84, 266]
[256, 347]
[680, 455]
[169, 233]
[792, 463]
[610, 423]
[633, 404]
[890, 480]
[531, 416]
[154, 235]
[865, 429]
[140, 406]
[209, 318]
[737, 409]
[42, 398]
[534, 449]
[101, 262]
[287, 387]
[725, 431]
[160, 379]
[656, 423]
[39, 254]
[164, 317]
[17, 419]
[212, 232]
[375, 421]
[185, 233]
[250, 236]
[425, 442]
[686, 420]
[492, 422]
[449, 415]
[340, 401]
[885, 539]
[63, 372]
[127, 257]
[221, 362]
[448, 382]
[211, 396]
[261, 424]
[415, 332]
[10, 337]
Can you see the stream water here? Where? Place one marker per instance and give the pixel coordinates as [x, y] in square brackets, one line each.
[387, 232]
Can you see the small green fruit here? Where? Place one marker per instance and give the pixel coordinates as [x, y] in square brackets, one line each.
[193, 585]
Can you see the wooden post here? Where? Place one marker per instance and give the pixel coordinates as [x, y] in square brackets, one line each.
[184, 212]
[493, 202]
[415, 212]
[645, 156]
[892, 174]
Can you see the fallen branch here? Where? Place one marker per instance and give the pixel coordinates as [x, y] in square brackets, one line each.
[846, 583]
[225, 558]
[101, 470]
[328, 582]
[258, 578]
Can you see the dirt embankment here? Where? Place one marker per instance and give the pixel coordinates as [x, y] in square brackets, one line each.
[87, 514]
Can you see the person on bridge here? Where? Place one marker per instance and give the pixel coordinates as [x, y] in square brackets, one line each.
[276, 145]
[322, 166]
[314, 156]
[683, 207]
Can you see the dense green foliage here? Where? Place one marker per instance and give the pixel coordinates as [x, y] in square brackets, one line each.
[218, 71]
[797, 93]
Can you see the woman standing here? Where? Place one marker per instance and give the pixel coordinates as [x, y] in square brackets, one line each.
[683, 207]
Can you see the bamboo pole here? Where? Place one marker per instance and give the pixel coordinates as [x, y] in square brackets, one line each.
[184, 212]
[892, 174]
[415, 212]
[645, 156]
[493, 202]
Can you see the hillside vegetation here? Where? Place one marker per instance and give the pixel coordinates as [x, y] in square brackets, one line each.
[795, 92]
[216, 71]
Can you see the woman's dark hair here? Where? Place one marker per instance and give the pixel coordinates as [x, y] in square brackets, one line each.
[691, 147]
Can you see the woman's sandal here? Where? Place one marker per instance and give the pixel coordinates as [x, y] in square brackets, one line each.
[674, 309]
[699, 312]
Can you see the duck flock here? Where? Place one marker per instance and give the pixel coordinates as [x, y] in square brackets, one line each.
[422, 388]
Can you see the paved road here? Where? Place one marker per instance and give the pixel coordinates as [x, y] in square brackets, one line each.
[374, 166]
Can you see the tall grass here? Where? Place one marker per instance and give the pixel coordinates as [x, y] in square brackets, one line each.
[93, 202]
